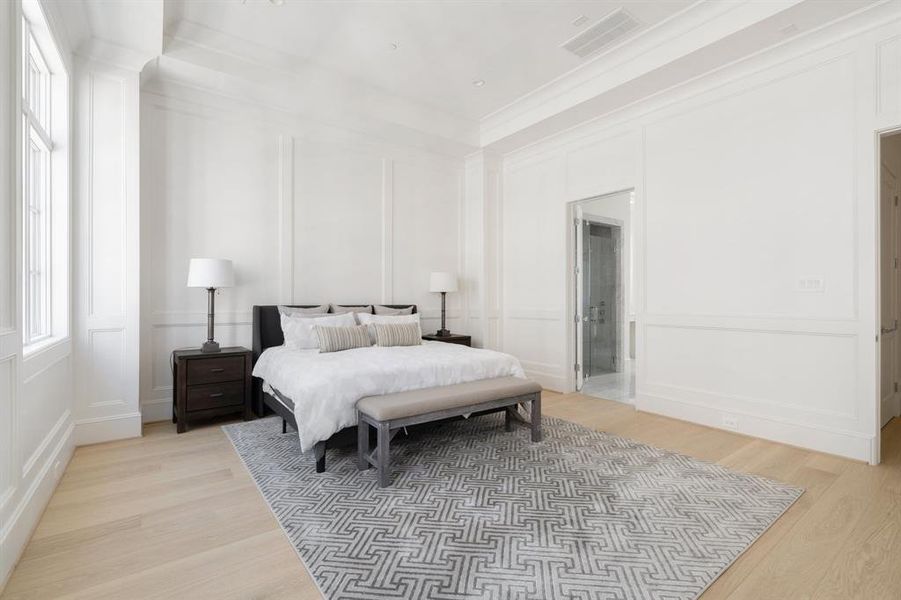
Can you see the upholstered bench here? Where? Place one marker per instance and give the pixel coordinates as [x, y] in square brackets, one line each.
[391, 412]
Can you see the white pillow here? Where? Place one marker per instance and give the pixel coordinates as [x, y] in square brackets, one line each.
[293, 311]
[367, 319]
[300, 330]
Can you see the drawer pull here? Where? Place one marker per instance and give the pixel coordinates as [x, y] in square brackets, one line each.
[217, 370]
[216, 395]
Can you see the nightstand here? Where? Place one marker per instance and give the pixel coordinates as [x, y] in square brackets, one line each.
[210, 384]
[454, 338]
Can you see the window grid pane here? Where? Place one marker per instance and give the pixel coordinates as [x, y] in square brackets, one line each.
[36, 190]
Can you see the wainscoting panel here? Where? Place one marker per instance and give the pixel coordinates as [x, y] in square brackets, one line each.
[801, 376]
[7, 387]
[105, 208]
[338, 253]
[107, 254]
[782, 245]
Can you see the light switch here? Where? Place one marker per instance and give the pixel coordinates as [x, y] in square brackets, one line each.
[811, 284]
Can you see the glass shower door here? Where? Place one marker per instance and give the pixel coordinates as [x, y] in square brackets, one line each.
[599, 299]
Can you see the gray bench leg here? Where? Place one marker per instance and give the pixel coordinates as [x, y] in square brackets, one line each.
[362, 443]
[536, 418]
[383, 454]
[508, 418]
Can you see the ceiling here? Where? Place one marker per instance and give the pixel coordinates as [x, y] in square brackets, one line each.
[442, 47]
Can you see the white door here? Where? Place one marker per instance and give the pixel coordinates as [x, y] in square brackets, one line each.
[577, 277]
[891, 285]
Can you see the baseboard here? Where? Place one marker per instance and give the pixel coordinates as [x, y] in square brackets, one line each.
[548, 380]
[848, 444]
[17, 531]
[153, 411]
[107, 429]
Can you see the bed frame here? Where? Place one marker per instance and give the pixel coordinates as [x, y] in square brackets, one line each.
[267, 332]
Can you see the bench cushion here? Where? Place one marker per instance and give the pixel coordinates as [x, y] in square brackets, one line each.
[418, 402]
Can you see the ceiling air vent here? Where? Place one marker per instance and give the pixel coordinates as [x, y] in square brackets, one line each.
[602, 34]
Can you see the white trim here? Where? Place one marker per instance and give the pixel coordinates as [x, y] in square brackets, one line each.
[387, 231]
[105, 429]
[18, 529]
[835, 441]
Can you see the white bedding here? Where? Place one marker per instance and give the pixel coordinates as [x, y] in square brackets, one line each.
[325, 387]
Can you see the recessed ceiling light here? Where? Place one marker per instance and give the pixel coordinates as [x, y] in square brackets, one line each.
[479, 82]
[276, 2]
[580, 20]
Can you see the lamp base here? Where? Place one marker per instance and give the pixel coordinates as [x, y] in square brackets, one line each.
[443, 332]
[210, 346]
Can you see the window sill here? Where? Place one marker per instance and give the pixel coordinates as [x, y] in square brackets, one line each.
[33, 351]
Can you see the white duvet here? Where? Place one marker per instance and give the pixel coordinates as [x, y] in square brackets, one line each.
[325, 387]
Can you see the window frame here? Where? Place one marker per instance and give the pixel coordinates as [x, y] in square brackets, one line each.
[44, 210]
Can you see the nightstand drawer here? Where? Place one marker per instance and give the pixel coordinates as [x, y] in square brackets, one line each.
[202, 397]
[214, 370]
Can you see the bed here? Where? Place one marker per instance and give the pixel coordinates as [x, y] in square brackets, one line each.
[316, 393]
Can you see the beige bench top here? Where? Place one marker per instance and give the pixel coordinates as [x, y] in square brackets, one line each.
[417, 402]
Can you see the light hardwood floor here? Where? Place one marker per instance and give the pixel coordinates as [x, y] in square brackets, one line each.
[177, 516]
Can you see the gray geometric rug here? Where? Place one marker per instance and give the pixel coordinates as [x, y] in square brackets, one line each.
[477, 512]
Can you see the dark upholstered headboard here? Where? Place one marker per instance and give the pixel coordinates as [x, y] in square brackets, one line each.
[267, 325]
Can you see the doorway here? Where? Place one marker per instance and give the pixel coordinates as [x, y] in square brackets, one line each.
[603, 320]
[890, 276]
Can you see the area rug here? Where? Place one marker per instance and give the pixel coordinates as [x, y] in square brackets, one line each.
[478, 512]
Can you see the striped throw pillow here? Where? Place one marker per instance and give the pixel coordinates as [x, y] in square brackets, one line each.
[335, 339]
[397, 334]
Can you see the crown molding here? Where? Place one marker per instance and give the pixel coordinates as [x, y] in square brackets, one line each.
[299, 86]
[705, 36]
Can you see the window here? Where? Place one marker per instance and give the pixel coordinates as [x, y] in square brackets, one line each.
[44, 183]
[36, 190]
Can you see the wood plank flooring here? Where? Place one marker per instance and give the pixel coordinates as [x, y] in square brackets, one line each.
[177, 516]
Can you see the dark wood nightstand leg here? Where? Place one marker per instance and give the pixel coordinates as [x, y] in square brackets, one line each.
[284, 426]
[248, 389]
[181, 375]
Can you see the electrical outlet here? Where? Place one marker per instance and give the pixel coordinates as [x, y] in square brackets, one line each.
[730, 422]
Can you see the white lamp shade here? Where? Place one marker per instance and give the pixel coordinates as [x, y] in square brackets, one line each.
[211, 273]
[442, 282]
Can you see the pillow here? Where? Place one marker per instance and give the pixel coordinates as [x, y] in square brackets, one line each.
[363, 309]
[335, 339]
[299, 330]
[397, 334]
[387, 310]
[366, 319]
[291, 311]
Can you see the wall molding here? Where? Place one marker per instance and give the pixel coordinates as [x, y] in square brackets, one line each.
[534, 314]
[18, 528]
[836, 441]
[107, 428]
[286, 217]
[387, 231]
[32, 460]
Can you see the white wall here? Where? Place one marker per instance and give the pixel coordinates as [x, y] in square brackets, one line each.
[36, 419]
[308, 213]
[747, 181]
